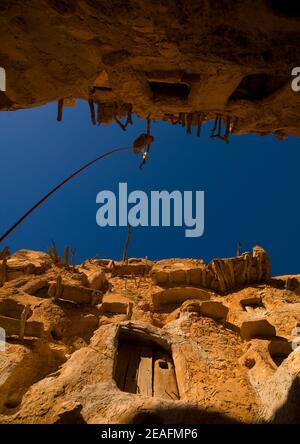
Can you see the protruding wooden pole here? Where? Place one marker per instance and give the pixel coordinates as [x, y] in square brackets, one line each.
[214, 127]
[129, 310]
[56, 257]
[73, 258]
[116, 119]
[92, 110]
[4, 253]
[58, 290]
[24, 316]
[3, 272]
[182, 120]
[228, 123]
[219, 127]
[60, 106]
[66, 257]
[127, 243]
[99, 118]
[129, 116]
[189, 123]
[199, 124]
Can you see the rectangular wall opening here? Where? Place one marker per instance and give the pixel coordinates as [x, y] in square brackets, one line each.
[164, 90]
[102, 88]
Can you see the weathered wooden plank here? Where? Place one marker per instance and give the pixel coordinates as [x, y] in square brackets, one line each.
[144, 381]
[165, 384]
[122, 365]
[132, 372]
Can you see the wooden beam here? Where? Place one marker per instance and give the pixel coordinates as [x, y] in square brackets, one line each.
[132, 371]
[144, 381]
[165, 384]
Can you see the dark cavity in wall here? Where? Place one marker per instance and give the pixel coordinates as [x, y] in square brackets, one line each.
[285, 8]
[101, 89]
[254, 303]
[279, 351]
[164, 90]
[42, 292]
[257, 87]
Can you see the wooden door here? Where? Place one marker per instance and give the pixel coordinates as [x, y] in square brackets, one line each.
[147, 370]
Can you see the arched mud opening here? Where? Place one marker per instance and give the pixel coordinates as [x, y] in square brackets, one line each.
[279, 351]
[257, 87]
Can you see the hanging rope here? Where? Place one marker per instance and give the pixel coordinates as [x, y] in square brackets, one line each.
[84, 167]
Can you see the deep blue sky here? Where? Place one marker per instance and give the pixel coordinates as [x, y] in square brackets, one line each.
[251, 187]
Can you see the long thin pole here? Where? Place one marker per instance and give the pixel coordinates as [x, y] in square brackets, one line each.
[127, 242]
[84, 167]
[60, 106]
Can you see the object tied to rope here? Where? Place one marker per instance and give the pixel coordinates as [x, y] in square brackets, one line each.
[142, 142]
